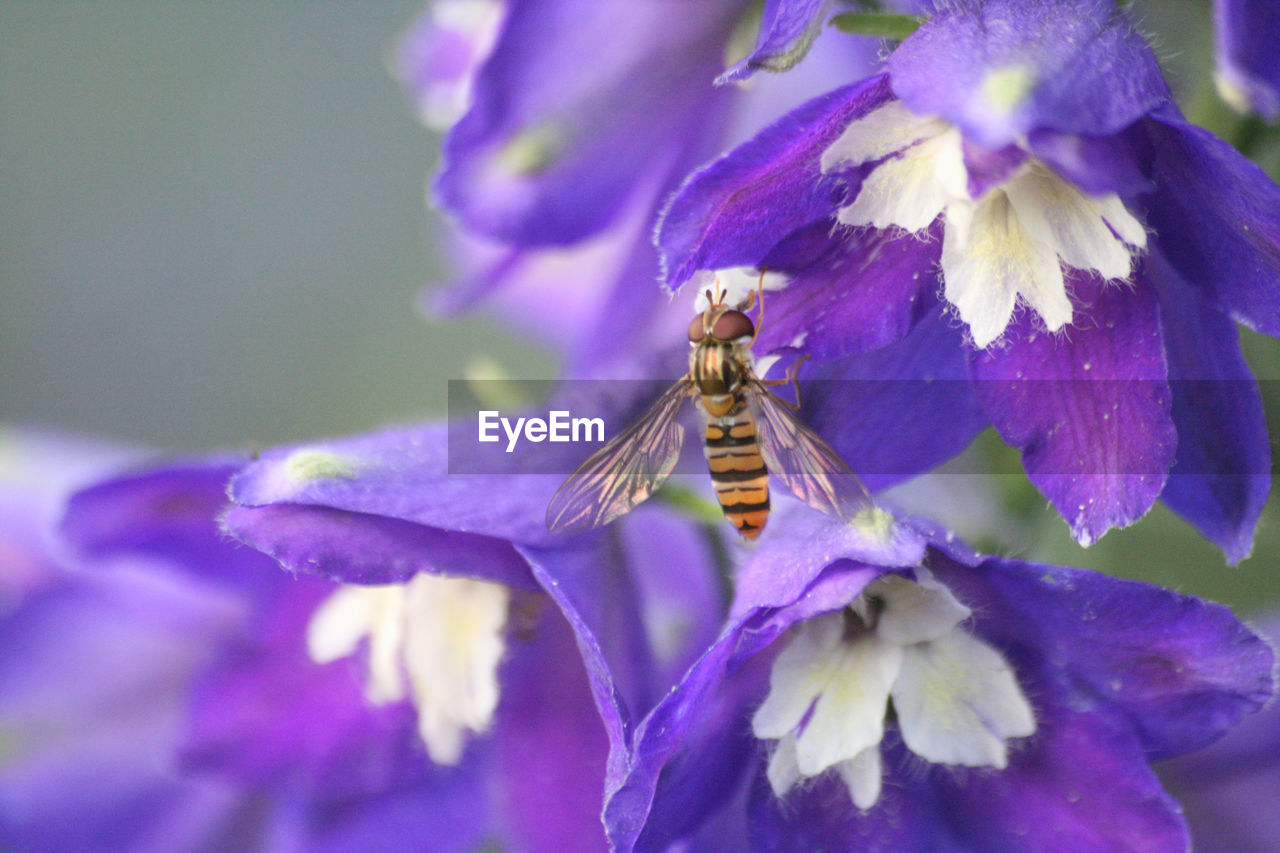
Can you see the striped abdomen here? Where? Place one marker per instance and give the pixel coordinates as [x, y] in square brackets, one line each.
[737, 469]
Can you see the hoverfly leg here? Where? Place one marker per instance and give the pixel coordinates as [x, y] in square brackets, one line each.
[789, 379]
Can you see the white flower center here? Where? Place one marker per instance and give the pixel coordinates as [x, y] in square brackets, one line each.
[1008, 244]
[957, 700]
[443, 635]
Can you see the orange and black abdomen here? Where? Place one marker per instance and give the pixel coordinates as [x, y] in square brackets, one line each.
[737, 469]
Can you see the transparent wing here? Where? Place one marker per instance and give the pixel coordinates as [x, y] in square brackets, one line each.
[624, 472]
[806, 464]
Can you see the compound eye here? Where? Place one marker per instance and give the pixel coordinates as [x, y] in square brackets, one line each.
[696, 332]
[732, 325]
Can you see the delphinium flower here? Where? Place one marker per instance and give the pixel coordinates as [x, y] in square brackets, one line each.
[1019, 166]
[1248, 67]
[442, 713]
[883, 688]
[94, 674]
[1228, 790]
[381, 507]
[560, 150]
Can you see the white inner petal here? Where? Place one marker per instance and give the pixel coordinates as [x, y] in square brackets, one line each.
[445, 634]
[849, 715]
[801, 671]
[1008, 245]
[915, 612]
[861, 776]
[1057, 214]
[910, 191]
[878, 134]
[958, 701]
[783, 771]
[988, 258]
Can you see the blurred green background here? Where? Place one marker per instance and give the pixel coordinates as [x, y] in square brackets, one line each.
[212, 224]
[212, 233]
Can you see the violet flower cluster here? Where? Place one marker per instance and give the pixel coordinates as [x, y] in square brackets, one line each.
[1004, 219]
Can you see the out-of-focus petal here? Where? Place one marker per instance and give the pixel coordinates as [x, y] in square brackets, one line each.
[787, 29]
[1216, 217]
[578, 99]
[1248, 66]
[1221, 476]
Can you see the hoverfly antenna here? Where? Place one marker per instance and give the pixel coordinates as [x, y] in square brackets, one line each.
[758, 293]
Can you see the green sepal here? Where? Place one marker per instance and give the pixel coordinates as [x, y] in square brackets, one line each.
[880, 24]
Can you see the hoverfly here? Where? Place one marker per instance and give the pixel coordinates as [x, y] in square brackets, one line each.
[749, 432]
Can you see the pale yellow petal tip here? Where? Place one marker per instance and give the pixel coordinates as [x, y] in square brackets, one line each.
[1006, 88]
[875, 525]
[308, 464]
[532, 150]
[1231, 92]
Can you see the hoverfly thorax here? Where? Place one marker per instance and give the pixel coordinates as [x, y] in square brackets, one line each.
[721, 338]
[748, 432]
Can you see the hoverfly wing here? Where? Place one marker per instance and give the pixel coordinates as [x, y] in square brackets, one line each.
[805, 464]
[624, 472]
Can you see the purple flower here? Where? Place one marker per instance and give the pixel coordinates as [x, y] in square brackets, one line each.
[443, 713]
[94, 674]
[557, 168]
[1228, 790]
[886, 687]
[1248, 74]
[1020, 166]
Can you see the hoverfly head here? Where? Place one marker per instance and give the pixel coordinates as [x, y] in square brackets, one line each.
[698, 328]
[732, 325]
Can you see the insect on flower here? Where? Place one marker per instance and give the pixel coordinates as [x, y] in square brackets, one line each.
[749, 432]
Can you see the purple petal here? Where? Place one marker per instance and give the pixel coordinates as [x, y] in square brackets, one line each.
[1118, 163]
[1001, 69]
[627, 625]
[1090, 410]
[444, 812]
[698, 730]
[550, 745]
[732, 212]
[1217, 219]
[168, 512]
[439, 54]
[988, 168]
[1222, 476]
[787, 29]
[1179, 670]
[852, 289]
[679, 592]
[92, 690]
[571, 297]
[801, 543]
[41, 468]
[560, 129]
[354, 547]
[1247, 32]
[267, 716]
[386, 508]
[1228, 789]
[897, 411]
